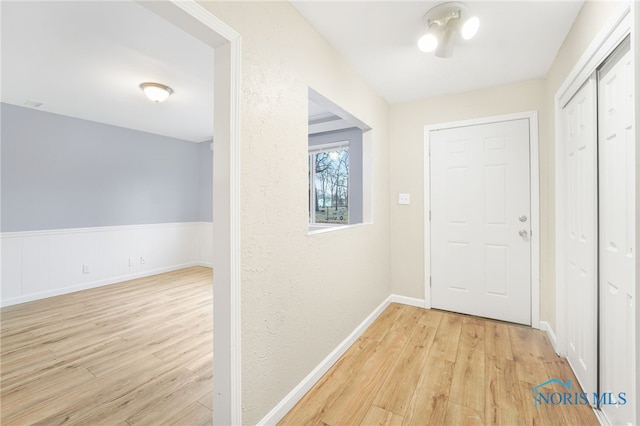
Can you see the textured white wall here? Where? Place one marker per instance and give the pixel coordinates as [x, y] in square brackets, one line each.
[301, 295]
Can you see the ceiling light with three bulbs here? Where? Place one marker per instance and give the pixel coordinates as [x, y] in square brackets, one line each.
[445, 23]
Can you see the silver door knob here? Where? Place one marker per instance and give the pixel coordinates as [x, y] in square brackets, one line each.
[523, 218]
[523, 233]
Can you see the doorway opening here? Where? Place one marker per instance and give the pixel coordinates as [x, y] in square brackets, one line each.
[198, 21]
[185, 17]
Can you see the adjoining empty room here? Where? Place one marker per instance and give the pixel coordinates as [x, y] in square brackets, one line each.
[107, 206]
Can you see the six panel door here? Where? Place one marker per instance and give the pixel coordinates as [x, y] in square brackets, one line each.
[480, 220]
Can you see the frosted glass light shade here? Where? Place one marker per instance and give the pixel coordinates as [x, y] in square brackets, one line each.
[156, 92]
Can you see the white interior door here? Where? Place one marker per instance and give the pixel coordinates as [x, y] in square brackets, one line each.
[617, 231]
[480, 220]
[581, 267]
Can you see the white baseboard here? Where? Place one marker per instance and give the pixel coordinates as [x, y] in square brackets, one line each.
[411, 301]
[602, 418]
[292, 398]
[546, 327]
[94, 284]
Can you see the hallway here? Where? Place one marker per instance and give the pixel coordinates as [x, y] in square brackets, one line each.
[427, 367]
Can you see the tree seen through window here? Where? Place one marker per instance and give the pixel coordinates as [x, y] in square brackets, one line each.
[330, 186]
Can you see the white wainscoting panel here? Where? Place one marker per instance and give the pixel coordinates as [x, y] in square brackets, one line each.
[205, 246]
[39, 264]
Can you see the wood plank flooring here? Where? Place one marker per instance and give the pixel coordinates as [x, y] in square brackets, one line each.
[140, 352]
[137, 352]
[426, 367]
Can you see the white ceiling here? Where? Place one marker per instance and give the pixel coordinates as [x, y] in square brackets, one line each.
[517, 40]
[87, 60]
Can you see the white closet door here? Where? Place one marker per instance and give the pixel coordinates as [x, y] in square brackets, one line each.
[581, 235]
[480, 223]
[617, 231]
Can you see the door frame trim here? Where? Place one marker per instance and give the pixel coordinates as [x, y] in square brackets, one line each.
[199, 21]
[534, 183]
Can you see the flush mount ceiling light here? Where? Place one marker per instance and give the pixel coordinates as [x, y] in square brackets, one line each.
[156, 92]
[445, 23]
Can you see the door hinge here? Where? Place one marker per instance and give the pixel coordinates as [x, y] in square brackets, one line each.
[429, 281]
[429, 215]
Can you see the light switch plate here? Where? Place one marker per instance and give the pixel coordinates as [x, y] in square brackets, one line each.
[404, 199]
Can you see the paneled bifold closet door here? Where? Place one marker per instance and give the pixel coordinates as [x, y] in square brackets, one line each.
[617, 229]
[581, 234]
[599, 216]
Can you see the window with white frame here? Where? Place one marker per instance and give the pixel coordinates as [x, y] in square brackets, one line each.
[329, 183]
[340, 152]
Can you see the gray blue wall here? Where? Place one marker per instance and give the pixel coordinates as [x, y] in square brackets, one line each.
[205, 181]
[61, 172]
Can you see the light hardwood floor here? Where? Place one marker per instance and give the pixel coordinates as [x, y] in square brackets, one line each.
[427, 367]
[138, 352]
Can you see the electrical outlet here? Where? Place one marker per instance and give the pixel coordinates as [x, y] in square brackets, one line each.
[86, 268]
[404, 199]
[142, 260]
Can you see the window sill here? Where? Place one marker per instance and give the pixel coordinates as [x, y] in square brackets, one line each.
[324, 228]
